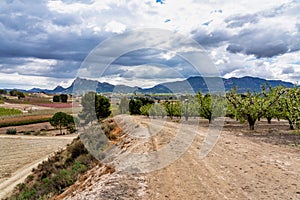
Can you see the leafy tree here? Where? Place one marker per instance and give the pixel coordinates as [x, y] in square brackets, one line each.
[157, 109]
[272, 111]
[289, 107]
[3, 91]
[173, 108]
[56, 98]
[134, 106]
[17, 93]
[190, 107]
[60, 120]
[252, 106]
[13, 93]
[94, 105]
[63, 98]
[211, 106]
[145, 109]
[60, 98]
[21, 95]
[102, 107]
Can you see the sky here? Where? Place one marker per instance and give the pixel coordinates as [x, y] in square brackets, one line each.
[48, 43]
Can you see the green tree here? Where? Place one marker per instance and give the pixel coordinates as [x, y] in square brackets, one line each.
[211, 106]
[56, 98]
[157, 109]
[60, 120]
[17, 93]
[13, 93]
[273, 111]
[94, 105]
[63, 98]
[3, 91]
[102, 107]
[173, 108]
[145, 109]
[134, 106]
[289, 107]
[252, 106]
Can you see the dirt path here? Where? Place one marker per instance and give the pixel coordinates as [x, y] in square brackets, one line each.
[236, 168]
[20, 154]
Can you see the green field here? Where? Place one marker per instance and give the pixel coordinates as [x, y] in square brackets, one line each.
[9, 112]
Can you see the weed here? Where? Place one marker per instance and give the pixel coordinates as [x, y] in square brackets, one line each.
[27, 133]
[11, 131]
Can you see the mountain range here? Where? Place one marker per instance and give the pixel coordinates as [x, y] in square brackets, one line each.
[190, 85]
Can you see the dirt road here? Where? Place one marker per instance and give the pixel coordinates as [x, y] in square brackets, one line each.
[20, 154]
[236, 168]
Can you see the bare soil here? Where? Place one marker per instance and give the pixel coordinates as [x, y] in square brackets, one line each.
[30, 127]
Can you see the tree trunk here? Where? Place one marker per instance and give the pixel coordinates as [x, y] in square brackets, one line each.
[269, 120]
[60, 129]
[251, 122]
[291, 125]
[186, 117]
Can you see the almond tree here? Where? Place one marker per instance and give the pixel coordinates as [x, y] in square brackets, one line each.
[289, 107]
[252, 106]
[211, 106]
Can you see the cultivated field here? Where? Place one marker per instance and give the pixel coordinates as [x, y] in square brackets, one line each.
[19, 154]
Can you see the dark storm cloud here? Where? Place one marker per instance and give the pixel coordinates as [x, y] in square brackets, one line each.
[262, 42]
[32, 30]
[211, 39]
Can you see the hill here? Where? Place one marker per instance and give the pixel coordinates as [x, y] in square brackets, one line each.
[190, 85]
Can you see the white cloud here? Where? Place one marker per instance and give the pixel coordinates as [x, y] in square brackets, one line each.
[115, 27]
[16, 80]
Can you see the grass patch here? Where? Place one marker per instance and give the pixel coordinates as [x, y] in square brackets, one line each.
[11, 131]
[9, 111]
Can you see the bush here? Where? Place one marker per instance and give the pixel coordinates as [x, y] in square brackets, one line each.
[27, 133]
[77, 149]
[11, 131]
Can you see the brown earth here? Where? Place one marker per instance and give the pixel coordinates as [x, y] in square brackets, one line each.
[261, 164]
[29, 127]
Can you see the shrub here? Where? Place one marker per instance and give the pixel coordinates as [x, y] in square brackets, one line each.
[77, 149]
[27, 132]
[11, 131]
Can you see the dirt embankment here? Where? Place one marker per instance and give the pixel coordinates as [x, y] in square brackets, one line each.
[238, 167]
